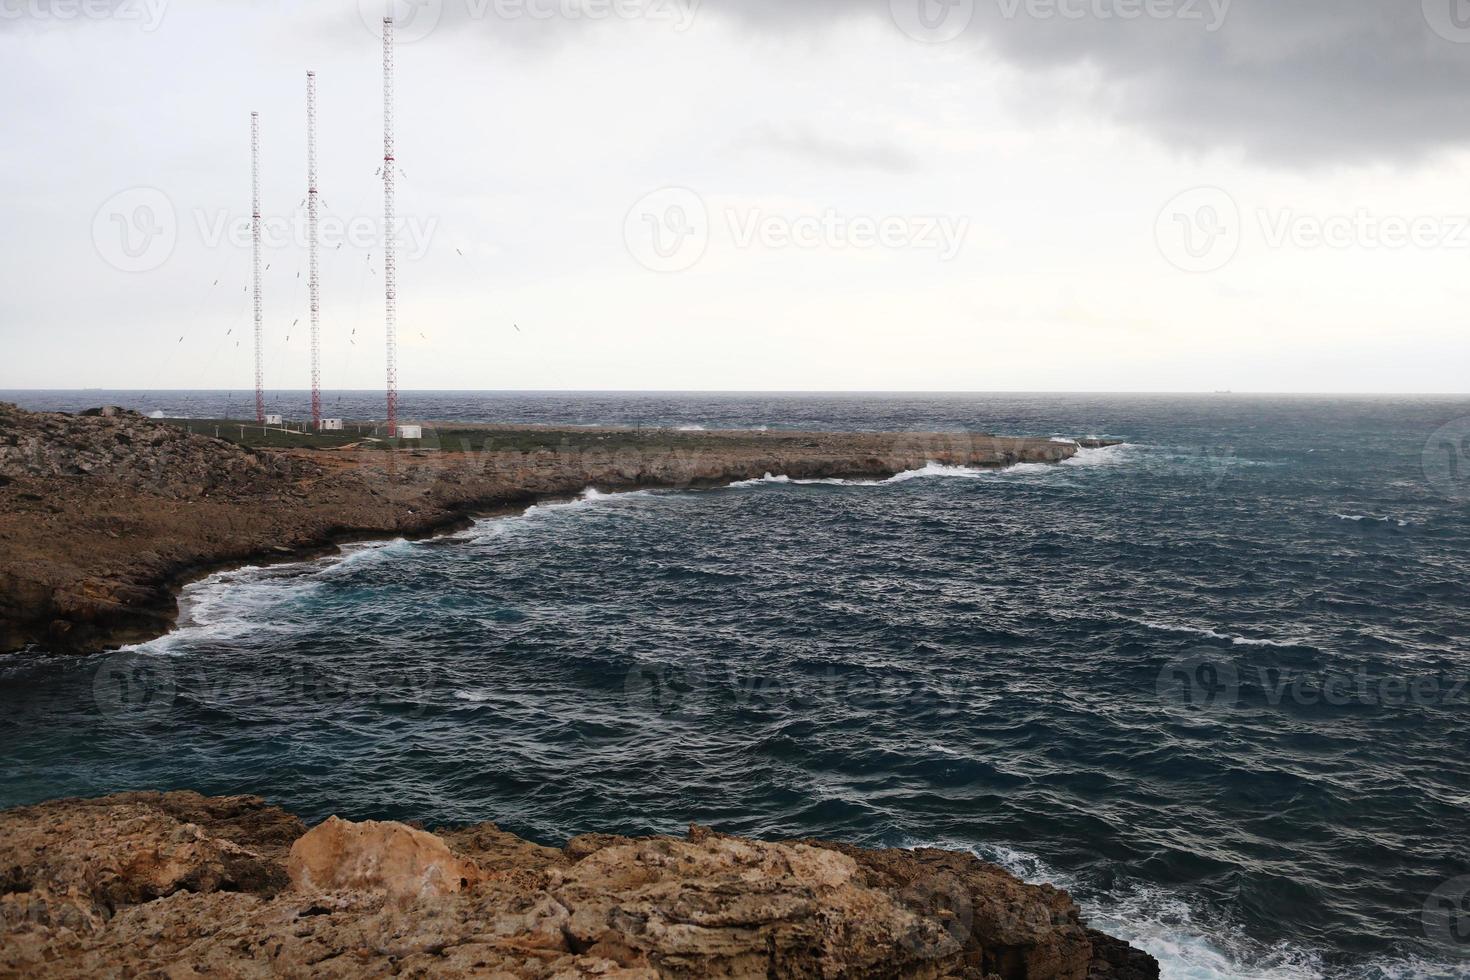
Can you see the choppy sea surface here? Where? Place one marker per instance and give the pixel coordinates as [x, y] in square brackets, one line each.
[1214, 681]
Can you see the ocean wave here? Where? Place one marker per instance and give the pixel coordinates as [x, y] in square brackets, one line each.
[1240, 641]
[1358, 518]
[1164, 924]
[1107, 456]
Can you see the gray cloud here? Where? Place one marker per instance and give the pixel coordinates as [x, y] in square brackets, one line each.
[1289, 81]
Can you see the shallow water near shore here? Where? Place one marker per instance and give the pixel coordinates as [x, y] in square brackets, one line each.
[1213, 681]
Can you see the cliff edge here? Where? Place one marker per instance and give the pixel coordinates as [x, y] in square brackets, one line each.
[179, 885]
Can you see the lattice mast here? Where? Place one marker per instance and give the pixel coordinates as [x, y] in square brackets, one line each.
[255, 237]
[314, 285]
[390, 217]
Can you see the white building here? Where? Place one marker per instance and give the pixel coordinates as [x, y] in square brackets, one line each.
[332, 425]
[274, 420]
[410, 432]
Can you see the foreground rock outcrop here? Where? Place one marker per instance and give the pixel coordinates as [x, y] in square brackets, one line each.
[101, 516]
[179, 885]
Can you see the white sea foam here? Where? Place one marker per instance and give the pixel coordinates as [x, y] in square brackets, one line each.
[1240, 641]
[1356, 518]
[1163, 924]
[477, 697]
[692, 428]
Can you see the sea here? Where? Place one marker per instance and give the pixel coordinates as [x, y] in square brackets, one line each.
[1213, 681]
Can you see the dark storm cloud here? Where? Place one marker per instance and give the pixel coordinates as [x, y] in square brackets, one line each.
[1304, 81]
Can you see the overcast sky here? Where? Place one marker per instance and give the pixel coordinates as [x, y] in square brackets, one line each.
[1170, 195]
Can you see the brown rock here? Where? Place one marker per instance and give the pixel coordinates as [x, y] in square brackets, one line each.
[178, 885]
[378, 857]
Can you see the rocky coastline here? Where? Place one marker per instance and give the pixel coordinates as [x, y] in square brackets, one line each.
[103, 516]
[180, 885]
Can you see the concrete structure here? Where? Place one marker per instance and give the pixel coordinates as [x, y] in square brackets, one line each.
[410, 432]
[274, 420]
[332, 425]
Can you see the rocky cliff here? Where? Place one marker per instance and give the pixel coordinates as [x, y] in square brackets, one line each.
[178, 885]
[101, 515]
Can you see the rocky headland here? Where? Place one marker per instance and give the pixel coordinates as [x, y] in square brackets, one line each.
[104, 515]
[179, 885]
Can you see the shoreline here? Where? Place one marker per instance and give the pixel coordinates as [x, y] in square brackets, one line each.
[108, 518]
[233, 886]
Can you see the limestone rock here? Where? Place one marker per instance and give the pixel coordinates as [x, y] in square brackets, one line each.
[179, 885]
[377, 857]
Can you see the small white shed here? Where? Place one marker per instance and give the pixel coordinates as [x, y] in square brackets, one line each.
[332, 425]
[410, 432]
[274, 420]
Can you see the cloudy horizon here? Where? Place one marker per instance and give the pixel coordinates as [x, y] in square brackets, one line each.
[748, 195]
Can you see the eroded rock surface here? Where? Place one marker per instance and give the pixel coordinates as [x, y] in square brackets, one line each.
[178, 885]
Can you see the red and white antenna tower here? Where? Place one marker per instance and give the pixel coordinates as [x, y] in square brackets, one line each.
[390, 262]
[314, 284]
[255, 235]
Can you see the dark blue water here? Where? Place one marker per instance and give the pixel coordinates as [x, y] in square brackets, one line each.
[1213, 681]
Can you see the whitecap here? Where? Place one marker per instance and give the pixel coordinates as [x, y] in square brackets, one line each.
[1357, 518]
[1164, 924]
[1240, 641]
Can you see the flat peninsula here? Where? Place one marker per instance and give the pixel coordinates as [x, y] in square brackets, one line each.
[104, 515]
